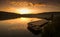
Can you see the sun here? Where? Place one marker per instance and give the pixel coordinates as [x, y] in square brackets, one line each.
[24, 11]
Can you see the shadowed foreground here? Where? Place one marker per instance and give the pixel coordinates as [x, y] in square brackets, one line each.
[52, 29]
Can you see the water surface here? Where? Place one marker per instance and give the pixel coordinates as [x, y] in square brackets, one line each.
[17, 27]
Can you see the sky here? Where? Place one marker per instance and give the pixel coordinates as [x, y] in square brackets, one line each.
[36, 5]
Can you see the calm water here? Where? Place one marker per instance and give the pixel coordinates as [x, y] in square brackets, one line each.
[17, 27]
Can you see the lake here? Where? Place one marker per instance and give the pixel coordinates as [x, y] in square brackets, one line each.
[17, 27]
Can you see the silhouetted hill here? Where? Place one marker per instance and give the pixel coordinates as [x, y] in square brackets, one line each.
[45, 15]
[11, 15]
[8, 15]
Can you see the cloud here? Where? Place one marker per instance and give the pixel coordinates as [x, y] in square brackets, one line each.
[43, 5]
[39, 1]
[26, 4]
[20, 3]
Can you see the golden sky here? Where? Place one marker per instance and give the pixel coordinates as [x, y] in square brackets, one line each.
[36, 6]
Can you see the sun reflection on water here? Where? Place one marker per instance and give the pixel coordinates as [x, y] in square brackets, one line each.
[17, 24]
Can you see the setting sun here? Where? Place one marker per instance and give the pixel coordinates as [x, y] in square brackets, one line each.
[24, 11]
